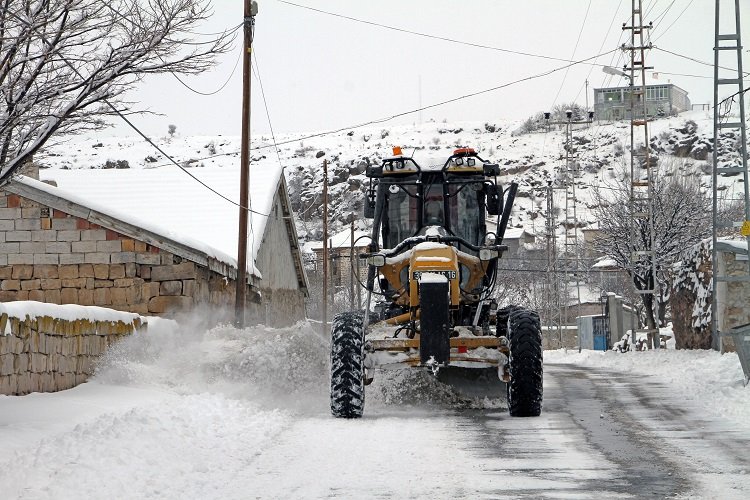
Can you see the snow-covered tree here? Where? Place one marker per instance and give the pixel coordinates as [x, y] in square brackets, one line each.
[682, 217]
[65, 64]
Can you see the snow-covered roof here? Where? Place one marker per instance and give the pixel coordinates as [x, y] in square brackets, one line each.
[342, 239]
[605, 263]
[514, 233]
[169, 202]
[735, 245]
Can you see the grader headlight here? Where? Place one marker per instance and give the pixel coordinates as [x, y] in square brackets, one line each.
[488, 253]
[376, 260]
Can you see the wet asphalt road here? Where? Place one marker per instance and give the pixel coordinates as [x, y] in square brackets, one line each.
[601, 435]
[621, 441]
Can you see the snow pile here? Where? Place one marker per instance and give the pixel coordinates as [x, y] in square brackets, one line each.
[712, 380]
[414, 387]
[200, 437]
[275, 367]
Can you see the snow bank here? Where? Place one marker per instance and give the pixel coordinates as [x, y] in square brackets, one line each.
[711, 379]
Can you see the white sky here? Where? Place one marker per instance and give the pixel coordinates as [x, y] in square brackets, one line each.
[322, 72]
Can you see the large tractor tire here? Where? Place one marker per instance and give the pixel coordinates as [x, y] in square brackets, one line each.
[525, 363]
[347, 365]
[502, 319]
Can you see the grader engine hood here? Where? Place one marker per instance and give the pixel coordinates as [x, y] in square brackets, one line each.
[434, 258]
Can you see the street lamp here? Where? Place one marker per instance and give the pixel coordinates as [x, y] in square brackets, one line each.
[614, 71]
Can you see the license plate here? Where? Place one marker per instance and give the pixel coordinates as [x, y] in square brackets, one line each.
[417, 275]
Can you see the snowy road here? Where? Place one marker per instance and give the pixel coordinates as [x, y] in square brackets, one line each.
[599, 437]
[233, 415]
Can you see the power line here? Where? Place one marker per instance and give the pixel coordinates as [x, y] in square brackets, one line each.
[138, 131]
[268, 115]
[575, 48]
[676, 19]
[441, 103]
[412, 111]
[661, 16]
[606, 34]
[239, 54]
[427, 35]
[232, 30]
[696, 60]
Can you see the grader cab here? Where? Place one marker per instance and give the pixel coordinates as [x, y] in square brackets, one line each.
[432, 273]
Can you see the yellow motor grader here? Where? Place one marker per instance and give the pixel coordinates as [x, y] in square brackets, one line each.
[434, 261]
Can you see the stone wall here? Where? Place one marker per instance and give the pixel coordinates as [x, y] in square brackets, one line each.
[49, 256]
[733, 297]
[47, 354]
[692, 296]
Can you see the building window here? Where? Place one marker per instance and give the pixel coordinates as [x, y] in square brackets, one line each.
[612, 96]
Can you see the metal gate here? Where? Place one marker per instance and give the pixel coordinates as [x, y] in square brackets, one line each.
[601, 333]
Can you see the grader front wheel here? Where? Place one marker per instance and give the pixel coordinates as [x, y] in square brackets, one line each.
[347, 365]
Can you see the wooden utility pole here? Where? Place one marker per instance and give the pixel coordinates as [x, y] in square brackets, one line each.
[325, 246]
[250, 11]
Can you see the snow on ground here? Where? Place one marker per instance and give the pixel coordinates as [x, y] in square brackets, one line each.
[712, 380]
[170, 411]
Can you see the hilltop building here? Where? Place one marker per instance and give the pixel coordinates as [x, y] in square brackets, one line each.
[613, 103]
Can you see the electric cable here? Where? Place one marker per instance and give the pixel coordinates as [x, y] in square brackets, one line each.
[601, 47]
[675, 20]
[144, 136]
[575, 48]
[697, 60]
[412, 111]
[425, 35]
[268, 115]
[236, 63]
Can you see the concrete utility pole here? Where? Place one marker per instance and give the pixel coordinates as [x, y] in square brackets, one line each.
[570, 252]
[325, 246]
[250, 11]
[642, 193]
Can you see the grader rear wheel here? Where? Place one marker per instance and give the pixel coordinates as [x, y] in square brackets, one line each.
[525, 386]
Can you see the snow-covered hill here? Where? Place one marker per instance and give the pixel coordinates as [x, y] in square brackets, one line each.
[533, 160]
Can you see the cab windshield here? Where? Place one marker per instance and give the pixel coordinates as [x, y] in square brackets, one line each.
[458, 207]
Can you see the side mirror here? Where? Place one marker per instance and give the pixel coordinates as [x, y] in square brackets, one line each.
[494, 195]
[491, 169]
[374, 171]
[369, 209]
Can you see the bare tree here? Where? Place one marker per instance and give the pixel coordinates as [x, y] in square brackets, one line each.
[682, 217]
[66, 64]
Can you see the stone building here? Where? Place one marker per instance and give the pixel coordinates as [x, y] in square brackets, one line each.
[57, 246]
[340, 256]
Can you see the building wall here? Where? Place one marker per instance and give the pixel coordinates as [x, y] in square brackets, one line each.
[49, 256]
[283, 302]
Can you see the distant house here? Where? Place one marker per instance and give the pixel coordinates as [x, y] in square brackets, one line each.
[590, 237]
[150, 242]
[341, 262]
[613, 103]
